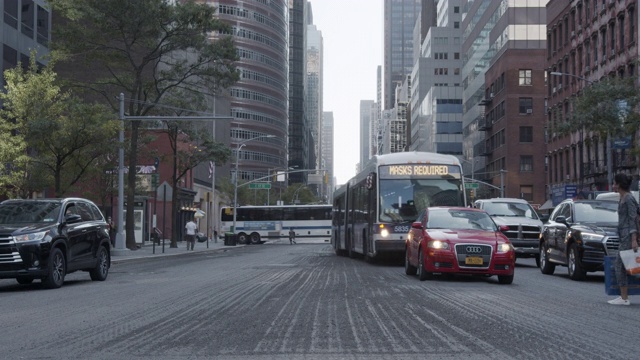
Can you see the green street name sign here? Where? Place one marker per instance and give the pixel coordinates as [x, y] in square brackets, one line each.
[260, 186]
[471, 185]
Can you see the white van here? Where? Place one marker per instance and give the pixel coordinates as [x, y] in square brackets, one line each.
[614, 196]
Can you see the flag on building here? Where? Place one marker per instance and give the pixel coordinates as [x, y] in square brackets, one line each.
[210, 169]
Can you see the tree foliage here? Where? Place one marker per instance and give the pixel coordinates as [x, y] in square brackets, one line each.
[608, 106]
[57, 135]
[144, 49]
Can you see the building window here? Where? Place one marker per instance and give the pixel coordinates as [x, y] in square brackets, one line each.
[526, 192]
[456, 55]
[526, 163]
[526, 134]
[621, 32]
[524, 77]
[456, 9]
[603, 37]
[456, 25]
[526, 106]
[612, 32]
[632, 25]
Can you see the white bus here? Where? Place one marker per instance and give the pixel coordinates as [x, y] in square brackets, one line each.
[254, 224]
[373, 212]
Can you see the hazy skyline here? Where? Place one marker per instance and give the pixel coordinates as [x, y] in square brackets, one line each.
[352, 38]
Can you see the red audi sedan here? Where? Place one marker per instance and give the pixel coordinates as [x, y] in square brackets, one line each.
[458, 240]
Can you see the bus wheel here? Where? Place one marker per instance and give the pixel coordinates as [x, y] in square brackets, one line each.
[242, 238]
[255, 238]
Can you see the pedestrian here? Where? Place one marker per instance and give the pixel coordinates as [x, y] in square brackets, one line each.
[190, 236]
[112, 232]
[292, 236]
[627, 233]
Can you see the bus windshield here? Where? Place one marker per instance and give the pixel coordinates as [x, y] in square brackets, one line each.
[402, 199]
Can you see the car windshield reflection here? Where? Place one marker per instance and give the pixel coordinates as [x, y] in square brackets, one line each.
[459, 220]
[29, 212]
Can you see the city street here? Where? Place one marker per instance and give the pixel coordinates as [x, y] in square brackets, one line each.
[281, 301]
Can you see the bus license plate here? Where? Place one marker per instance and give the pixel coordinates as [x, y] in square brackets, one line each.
[473, 260]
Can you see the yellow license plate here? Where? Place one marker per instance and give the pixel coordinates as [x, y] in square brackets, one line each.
[473, 260]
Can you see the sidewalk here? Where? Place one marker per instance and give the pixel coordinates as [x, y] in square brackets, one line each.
[147, 251]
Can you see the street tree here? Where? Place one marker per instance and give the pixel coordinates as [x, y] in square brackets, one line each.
[607, 107]
[61, 135]
[190, 148]
[144, 49]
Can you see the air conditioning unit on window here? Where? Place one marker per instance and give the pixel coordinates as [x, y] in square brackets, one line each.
[573, 33]
[529, 111]
[587, 68]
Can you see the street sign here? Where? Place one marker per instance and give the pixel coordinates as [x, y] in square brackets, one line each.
[471, 185]
[260, 186]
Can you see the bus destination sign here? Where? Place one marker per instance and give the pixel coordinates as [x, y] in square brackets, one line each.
[418, 171]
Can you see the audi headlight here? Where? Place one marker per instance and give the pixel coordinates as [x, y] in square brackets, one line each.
[591, 237]
[30, 237]
[438, 244]
[503, 247]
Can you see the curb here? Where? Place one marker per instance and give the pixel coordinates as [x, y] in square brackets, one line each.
[133, 257]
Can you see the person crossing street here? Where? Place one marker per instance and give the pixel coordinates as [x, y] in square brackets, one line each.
[292, 236]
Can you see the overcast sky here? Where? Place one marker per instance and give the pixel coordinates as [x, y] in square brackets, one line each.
[352, 31]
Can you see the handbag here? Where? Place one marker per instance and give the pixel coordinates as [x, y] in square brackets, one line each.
[631, 261]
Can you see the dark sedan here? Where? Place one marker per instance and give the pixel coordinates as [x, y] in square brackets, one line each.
[47, 238]
[455, 240]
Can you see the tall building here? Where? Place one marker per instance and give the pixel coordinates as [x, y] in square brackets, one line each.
[299, 131]
[365, 128]
[436, 98]
[258, 102]
[399, 19]
[25, 26]
[587, 41]
[327, 155]
[314, 93]
[377, 126]
[503, 95]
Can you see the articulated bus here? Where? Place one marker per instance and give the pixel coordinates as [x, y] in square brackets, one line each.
[254, 224]
[373, 212]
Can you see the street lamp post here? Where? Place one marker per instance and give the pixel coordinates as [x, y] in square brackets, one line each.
[235, 182]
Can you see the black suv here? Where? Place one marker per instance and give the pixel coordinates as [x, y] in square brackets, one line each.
[49, 238]
[578, 235]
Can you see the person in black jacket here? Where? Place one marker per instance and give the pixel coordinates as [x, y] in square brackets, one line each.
[292, 236]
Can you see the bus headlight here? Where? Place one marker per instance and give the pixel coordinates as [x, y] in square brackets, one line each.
[384, 232]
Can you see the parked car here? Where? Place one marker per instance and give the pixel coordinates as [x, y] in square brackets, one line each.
[48, 238]
[522, 221]
[578, 235]
[456, 240]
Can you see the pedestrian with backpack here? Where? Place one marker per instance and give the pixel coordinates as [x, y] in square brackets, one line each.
[292, 236]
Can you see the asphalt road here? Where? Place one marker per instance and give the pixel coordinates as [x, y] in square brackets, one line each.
[278, 301]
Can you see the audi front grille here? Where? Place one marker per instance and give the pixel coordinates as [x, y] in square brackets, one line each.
[479, 250]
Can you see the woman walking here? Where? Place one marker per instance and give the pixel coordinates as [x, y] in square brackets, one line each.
[627, 232]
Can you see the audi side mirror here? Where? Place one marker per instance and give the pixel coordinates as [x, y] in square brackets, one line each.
[416, 225]
[561, 219]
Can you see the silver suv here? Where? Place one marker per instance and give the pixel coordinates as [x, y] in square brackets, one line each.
[523, 222]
